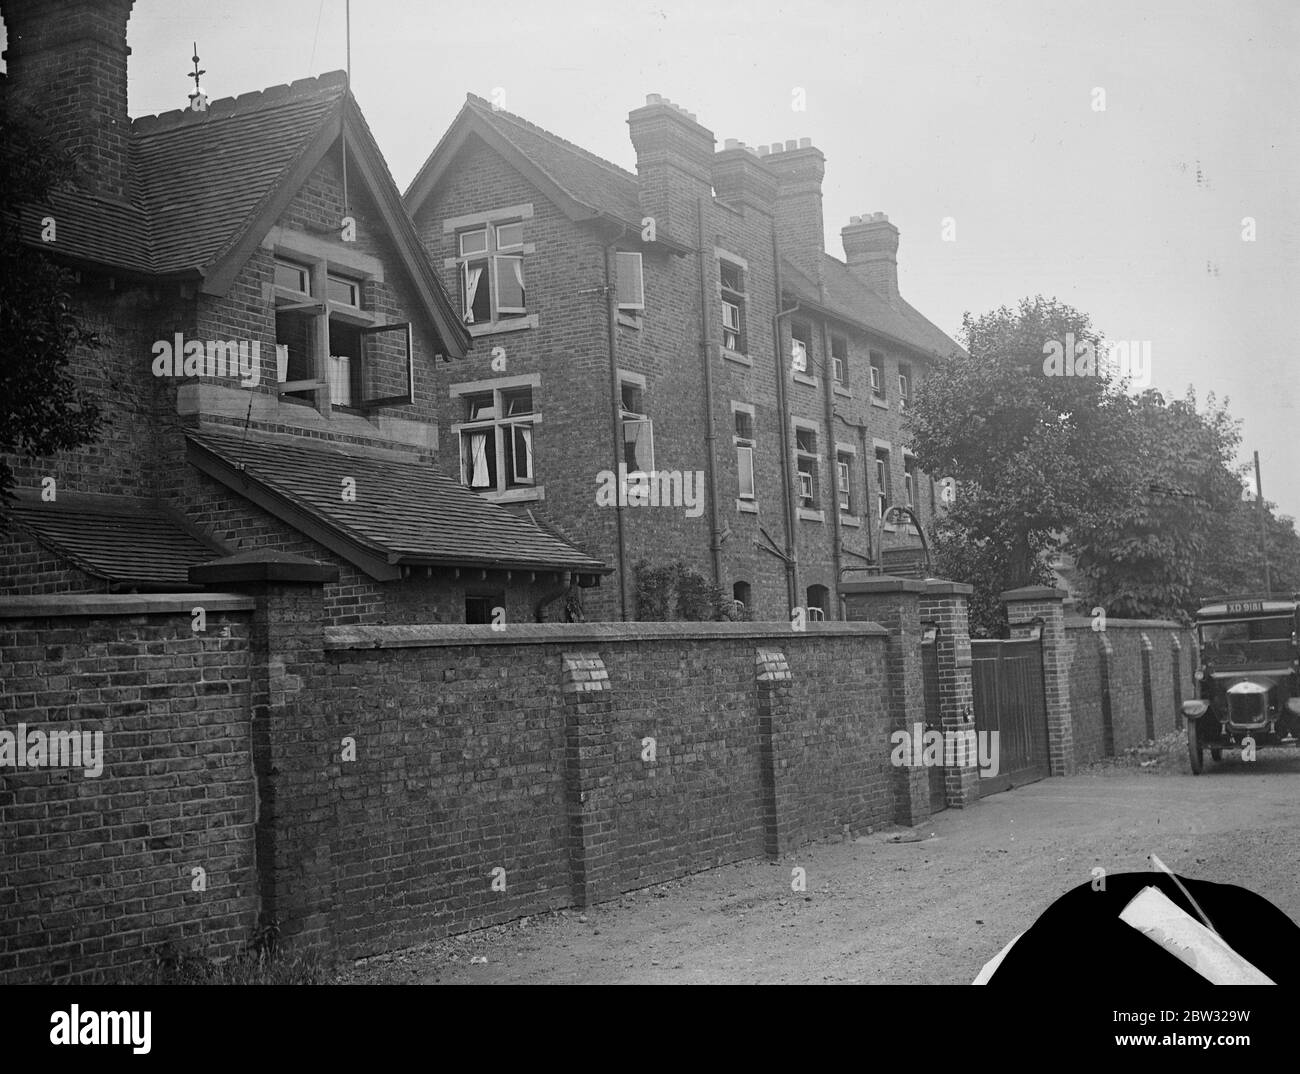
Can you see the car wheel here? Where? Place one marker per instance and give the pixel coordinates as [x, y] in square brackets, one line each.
[1216, 755]
[1195, 752]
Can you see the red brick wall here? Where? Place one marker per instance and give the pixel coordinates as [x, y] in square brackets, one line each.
[98, 870]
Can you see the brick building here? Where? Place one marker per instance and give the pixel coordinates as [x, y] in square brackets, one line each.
[683, 321]
[275, 346]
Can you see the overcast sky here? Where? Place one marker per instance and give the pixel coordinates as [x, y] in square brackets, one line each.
[982, 112]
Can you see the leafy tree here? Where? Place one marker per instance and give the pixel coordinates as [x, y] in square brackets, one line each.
[1033, 455]
[41, 411]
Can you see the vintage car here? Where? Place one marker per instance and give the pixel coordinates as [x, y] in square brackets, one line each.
[1248, 678]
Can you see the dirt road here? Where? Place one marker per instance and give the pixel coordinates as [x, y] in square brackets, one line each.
[931, 911]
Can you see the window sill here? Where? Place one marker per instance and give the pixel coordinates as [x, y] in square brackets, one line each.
[843, 392]
[850, 520]
[629, 320]
[528, 495]
[736, 356]
[492, 328]
[800, 378]
[877, 401]
[810, 515]
[749, 507]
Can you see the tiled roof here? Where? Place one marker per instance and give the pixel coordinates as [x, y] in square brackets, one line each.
[131, 542]
[587, 178]
[850, 298]
[404, 512]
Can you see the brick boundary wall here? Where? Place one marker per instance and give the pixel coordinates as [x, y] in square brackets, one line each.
[1127, 682]
[368, 788]
[97, 871]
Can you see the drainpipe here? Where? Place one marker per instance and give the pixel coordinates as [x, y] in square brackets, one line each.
[832, 455]
[710, 430]
[616, 414]
[783, 409]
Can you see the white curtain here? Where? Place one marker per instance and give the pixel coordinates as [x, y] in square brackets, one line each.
[478, 456]
[472, 276]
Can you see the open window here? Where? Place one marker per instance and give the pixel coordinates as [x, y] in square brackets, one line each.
[638, 429]
[806, 463]
[800, 333]
[491, 260]
[744, 441]
[496, 439]
[732, 287]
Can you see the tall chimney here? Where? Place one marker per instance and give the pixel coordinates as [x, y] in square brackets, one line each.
[871, 250]
[800, 167]
[67, 64]
[674, 155]
[740, 178]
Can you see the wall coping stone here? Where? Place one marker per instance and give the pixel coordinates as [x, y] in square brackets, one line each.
[1033, 592]
[433, 635]
[89, 605]
[940, 587]
[886, 583]
[1078, 622]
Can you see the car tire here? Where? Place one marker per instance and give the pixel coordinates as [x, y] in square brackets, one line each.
[1195, 751]
[1216, 755]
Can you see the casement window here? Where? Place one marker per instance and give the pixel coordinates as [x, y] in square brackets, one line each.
[744, 440]
[332, 343]
[904, 385]
[732, 283]
[839, 359]
[800, 334]
[491, 264]
[844, 474]
[910, 479]
[806, 464]
[630, 284]
[638, 429]
[877, 375]
[496, 439]
[882, 481]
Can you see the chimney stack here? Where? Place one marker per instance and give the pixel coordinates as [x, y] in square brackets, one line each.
[871, 250]
[67, 64]
[799, 167]
[674, 160]
[741, 178]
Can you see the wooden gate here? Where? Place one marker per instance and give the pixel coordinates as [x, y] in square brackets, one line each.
[1007, 681]
[933, 719]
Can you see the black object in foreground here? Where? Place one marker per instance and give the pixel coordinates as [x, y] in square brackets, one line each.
[1081, 938]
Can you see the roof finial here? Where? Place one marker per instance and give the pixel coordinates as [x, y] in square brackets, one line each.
[198, 99]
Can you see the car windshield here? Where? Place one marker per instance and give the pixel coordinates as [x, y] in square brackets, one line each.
[1243, 630]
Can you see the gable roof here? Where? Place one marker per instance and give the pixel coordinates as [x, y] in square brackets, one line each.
[850, 300]
[207, 186]
[130, 542]
[426, 518]
[582, 185]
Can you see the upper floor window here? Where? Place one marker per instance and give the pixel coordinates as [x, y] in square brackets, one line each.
[839, 359]
[496, 439]
[910, 480]
[732, 283]
[806, 462]
[819, 601]
[630, 282]
[844, 472]
[882, 481]
[904, 385]
[800, 333]
[491, 260]
[638, 428]
[877, 374]
[744, 438]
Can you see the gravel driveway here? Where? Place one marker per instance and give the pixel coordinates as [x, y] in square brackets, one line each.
[930, 911]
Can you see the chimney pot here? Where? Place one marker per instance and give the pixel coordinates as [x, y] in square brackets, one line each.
[804, 143]
[763, 150]
[791, 145]
[731, 143]
[652, 98]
